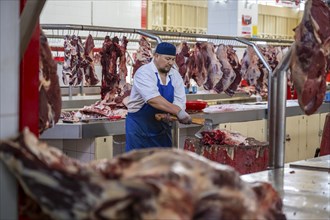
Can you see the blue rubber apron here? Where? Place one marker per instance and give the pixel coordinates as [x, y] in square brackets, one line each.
[143, 130]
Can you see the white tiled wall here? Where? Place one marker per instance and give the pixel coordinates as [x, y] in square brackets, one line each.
[112, 13]
[9, 81]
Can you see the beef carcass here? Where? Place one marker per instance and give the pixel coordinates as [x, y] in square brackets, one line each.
[197, 65]
[144, 184]
[214, 71]
[250, 70]
[111, 77]
[143, 54]
[87, 63]
[50, 101]
[235, 64]
[229, 74]
[310, 55]
[182, 54]
[72, 72]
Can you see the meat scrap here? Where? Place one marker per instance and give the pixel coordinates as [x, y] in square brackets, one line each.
[176, 185]
[310, 54]
[50, 100]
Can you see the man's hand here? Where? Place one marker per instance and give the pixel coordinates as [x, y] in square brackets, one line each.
[184, 117]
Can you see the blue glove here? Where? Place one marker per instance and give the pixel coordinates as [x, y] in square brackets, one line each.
[184, 117]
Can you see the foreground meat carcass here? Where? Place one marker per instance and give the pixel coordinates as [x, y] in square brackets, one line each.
[145, 184]
[50, 101]
[310, 55]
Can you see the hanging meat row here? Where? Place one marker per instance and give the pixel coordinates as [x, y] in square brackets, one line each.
[78, 61]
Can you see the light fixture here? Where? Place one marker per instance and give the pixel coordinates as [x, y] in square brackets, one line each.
[221, 1]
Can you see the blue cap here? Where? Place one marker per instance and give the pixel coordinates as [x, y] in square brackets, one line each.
[166, 49]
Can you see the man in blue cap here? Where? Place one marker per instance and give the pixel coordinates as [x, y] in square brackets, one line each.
[157, 88]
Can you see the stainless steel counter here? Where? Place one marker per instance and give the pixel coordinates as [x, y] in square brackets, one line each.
[305, 193]
[107, 128]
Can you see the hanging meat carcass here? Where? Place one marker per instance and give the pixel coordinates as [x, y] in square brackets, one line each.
[50, 102]
[78, 61]
[182, 54]
[310, 55]
[113, 87]
[250, 70]
[143, 54]
[197, 65]
[87, 63]
[72, 73]
[235, 64]
[176, 185]
[214, 71]
[229, 74]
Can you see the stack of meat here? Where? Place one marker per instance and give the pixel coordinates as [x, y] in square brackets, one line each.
[144, 184]
[50, 102]
[245, 154]
[78, 61]
[114, 87]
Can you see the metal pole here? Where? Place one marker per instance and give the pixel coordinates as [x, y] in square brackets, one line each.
[278, 146]
[29, 17]
[152, 36]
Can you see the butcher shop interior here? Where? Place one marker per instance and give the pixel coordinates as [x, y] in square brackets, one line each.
[250, 137]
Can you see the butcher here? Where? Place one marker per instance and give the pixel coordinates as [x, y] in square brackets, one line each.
[157, 88]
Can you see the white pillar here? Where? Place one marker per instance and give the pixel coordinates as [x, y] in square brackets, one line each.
[9, 99]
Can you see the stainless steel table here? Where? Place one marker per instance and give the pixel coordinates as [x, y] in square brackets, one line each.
[305, 192]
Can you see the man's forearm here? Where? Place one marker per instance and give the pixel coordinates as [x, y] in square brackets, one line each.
[160, 103]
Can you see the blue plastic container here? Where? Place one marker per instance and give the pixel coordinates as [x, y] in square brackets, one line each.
[327, 97]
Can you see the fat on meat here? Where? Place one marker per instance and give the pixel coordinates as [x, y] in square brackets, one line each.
[144, 184]
[310, 54]
[214, 71]
[50, 99]
[229, 74]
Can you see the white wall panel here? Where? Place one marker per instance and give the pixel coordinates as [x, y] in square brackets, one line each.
[9, 81]
[114, 13]
[66, 12]
[126, 14]
[222, 18]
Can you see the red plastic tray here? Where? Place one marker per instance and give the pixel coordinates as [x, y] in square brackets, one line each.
[196, 105]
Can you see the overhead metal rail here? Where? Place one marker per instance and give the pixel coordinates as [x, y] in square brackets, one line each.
[133, 35]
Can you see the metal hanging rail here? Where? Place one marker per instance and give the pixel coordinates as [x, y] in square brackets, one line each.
[175, 37]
